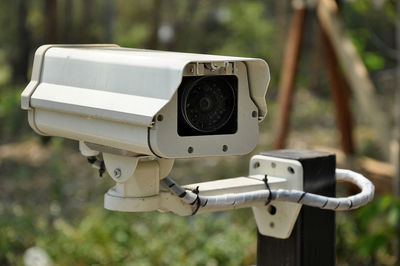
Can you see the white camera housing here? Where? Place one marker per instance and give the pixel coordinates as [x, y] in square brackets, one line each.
[127, 99]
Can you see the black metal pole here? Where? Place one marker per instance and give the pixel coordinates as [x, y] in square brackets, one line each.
[312, 241]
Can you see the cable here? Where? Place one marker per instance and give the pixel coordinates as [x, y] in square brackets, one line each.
[96, 163]
[296, 196]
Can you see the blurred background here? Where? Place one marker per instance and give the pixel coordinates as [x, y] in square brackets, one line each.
[51, 200]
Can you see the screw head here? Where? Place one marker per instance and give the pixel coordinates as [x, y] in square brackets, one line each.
[272, 209]
[271, 224]
[117, 173]
[290, 170]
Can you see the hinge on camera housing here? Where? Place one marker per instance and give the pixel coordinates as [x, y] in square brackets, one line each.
[209, 68]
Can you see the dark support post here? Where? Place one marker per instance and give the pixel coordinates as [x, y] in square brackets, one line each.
[312, 241]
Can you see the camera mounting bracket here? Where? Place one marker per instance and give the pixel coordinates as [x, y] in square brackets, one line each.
[275, 218]
[138, 189]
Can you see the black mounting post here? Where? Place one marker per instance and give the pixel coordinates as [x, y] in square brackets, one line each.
[312, 241]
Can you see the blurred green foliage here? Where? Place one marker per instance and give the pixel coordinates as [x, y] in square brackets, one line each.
[372, 31]
[57, 204]
[102, 237]
[367, 236]
[12, 116]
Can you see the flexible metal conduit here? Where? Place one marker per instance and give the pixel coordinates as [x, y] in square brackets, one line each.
[296, 196]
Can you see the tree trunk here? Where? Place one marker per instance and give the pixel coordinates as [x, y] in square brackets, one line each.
[67, 21]
[396, 181]
[86, 21]
[108, 20]
[340, 95]
[23, 45]
[288, 75]
[51, 21]
[355, 71]
[153, 40]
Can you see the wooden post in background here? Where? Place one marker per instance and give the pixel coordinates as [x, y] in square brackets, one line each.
[288, 75]
[22, 45]
[109, 10]
[354, 70]
[340, 95]
[396, 180]
[51, 21]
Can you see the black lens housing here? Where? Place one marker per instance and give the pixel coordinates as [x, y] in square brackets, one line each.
[207, 105]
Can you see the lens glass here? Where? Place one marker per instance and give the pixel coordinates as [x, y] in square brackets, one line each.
[208, 103]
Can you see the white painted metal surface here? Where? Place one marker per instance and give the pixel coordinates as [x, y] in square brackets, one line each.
[280, 224]
[137, 186]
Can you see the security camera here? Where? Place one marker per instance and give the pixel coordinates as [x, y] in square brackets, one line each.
[141, 109]
[143, 102]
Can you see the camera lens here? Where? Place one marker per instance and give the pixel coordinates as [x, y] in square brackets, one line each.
[208, 103]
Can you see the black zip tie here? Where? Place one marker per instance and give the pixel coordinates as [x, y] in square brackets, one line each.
[196, 190]
[196, 201]
[205, 203]
[91, 159]
[269, 189]
[102, 169]
[301, 197]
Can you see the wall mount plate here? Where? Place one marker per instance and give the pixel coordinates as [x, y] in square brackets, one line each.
[277, 219]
